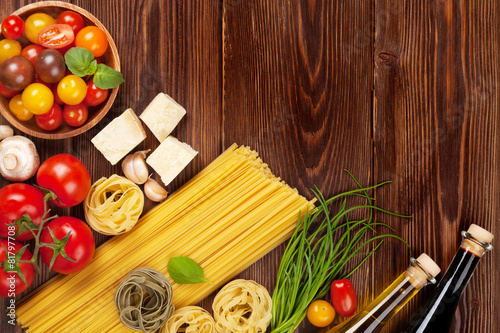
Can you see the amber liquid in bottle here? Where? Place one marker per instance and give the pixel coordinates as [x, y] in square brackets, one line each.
[372, 318]
[437, 315]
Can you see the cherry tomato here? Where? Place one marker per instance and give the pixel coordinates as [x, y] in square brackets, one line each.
[35, 24]
[80, 245]
[32, 51]
[65, 49]
[37, 79]
[7, 93]
[38, 98]
[57, 100]
[67, 177]
[26, 269]
[17, 108]
[344, 298]
[320, 313]
[75, 115]
[50, 120]
[18, 199]
[93, 39]
[9, 48]
[72, 89]
[56, 36]
[50, 66]
[95, 95]
[74, 20]
[13, 27]
[16, 73]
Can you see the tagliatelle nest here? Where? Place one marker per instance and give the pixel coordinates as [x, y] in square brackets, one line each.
[113, 205]
[190, 319]
[144, 300]
[242, 307]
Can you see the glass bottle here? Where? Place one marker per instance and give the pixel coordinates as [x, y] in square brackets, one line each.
[437, 315]
[420, 273]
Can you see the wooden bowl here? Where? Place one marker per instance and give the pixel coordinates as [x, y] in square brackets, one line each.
[110, 58]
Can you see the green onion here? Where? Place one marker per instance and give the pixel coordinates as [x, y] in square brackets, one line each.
[317, 255]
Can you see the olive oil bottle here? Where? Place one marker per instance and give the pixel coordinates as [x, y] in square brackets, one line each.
[437, 315]
[420, 273]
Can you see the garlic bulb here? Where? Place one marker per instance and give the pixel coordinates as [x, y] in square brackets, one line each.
[135, 168]
[6, 132]
[154, 191]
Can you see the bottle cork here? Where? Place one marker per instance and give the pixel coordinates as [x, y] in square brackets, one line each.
[417, 273]
[481, 235]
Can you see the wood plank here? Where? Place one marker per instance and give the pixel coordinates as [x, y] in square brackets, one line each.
[172, 47]
[297, 88]
[436, 119]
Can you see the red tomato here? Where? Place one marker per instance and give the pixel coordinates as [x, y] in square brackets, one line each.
[344, 298]
[74, 20]
[32, 51]
[11, 283]
[57, 99]
[80, 245]
[19, 199]
[67, 177]
[75, 115]
[13, 27]
[56, 36]
[51, 120]
[93, 39]
[95, 95]
[7, 93]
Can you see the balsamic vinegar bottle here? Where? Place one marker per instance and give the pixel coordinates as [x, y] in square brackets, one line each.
[437, 315]
[371, 319]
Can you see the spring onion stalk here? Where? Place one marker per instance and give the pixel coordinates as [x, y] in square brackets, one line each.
[317, 254]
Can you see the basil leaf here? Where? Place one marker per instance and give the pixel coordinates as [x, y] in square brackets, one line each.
[106, 77]
[184, 270]
[80, 61]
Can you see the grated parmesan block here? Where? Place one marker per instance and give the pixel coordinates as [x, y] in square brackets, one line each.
[120, 136]
[170, 158]
[162, 115]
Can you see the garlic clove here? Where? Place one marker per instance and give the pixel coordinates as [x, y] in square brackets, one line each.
[154, 191]
[135, 168]
[6, 132]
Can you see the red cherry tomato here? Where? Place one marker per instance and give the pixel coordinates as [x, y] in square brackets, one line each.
[26, 269]
[75, 115]
[74, 20]
[13, 27]
[57, 99]
[67, 177]
[56, 36]
[7, 93]
[80, 245]
[51, 120]
[344, 298]
[18, 199]
[32, 51]
[95, 95]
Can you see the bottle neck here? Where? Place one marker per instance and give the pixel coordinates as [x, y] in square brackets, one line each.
[473, 245]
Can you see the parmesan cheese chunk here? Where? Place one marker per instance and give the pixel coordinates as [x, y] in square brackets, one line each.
[120, 136]
[170, 158]
[162, 115]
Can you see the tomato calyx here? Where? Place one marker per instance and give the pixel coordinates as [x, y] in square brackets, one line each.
[12, 266]
[50, 195]
[57, 245]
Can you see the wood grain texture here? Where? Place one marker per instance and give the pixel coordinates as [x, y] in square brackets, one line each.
[391, 90]
[436, 119]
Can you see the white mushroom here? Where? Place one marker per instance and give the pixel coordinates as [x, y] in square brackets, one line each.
[19, 159]
[6, 132]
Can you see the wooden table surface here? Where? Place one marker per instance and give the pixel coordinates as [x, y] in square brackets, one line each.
[391, 90]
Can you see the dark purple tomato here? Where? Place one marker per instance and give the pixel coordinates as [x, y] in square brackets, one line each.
[49, 65]
[16, 73]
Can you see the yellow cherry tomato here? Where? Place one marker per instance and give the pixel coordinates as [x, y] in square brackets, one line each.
[9, 48]
[17, 108]
[38, 98]
[320, 313]
[72, 90]
[35, 23]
